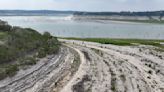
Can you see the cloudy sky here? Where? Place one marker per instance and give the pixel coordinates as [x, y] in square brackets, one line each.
[84, 5]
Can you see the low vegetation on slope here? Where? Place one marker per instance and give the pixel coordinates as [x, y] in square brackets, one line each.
[22, 47]
[153, 21]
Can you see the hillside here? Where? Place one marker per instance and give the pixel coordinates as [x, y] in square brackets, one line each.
[21, 47]
[148, 17]
[124, 13]
[33, 12]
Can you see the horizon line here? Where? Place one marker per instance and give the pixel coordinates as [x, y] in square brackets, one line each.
[74, 10]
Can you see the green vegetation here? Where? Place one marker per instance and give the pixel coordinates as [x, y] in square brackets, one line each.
[142, 21]
[3, 34]
[22, 46]
[159, 14]
[102, 40]
[27, 61]
[4, 26]
[152, 17]
[8, 70]
[122, 42]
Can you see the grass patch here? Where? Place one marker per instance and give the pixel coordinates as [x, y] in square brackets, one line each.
[104, 41]
[142, 21]
[3, 35]
[122, 42]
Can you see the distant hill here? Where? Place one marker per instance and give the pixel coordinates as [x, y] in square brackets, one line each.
[147, 13]
[32, 12]
[53, 12]
[148, 16]
[121, 16]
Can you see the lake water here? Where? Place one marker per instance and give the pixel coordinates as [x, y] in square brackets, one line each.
[63, 26]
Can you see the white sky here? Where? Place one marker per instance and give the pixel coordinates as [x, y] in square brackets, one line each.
[84, 5]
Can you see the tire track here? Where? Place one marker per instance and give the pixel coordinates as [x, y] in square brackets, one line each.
[128, 69]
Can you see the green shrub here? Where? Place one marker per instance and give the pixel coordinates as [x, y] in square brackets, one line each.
[6, 54]
[46, 35]
[3, 35]
[41, 53]
[5, 28]
[2, 74]
[8, 70]
[11, 70]
[27, 61]
[53, 50]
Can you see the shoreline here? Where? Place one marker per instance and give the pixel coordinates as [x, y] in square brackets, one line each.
[120, 21]
[99, 19]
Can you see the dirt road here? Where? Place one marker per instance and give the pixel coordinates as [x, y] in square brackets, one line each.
[109, 68]
[91, 67]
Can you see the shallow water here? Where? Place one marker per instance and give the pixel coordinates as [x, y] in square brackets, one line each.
[63, 26]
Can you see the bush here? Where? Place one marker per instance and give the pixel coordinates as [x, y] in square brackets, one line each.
[11, 70]
[5, 28]
[27, 61]
[2, 74]
[41, 53]
[53, 50]
[47, 35]
[6, 54]
[8, 71]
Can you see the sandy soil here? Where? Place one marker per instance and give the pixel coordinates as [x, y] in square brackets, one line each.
[92, 67]
[43, 76]
[109, 68]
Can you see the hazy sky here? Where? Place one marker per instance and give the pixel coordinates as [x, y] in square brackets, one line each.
[84, 5]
